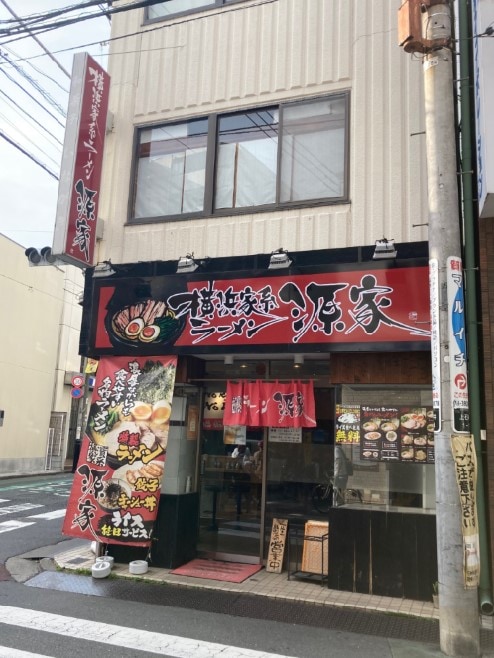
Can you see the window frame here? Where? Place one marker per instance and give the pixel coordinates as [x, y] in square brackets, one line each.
[215, 4]
[212, 146]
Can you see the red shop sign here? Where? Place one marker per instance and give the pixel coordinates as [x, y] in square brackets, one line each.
[347, 308]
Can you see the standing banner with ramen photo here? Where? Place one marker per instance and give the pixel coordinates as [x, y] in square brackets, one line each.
[117, 483]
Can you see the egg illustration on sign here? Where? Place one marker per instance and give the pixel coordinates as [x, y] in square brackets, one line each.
[161, 412]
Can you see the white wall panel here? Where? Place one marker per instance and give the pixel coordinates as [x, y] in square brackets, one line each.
[246, 234]
[261, 54]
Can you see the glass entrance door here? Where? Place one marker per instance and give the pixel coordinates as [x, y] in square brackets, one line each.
[231, 495]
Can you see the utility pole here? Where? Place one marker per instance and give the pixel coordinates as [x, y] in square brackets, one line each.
[428, 24]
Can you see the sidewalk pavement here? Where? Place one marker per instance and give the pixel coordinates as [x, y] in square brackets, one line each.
[410, 627]
[261, 583]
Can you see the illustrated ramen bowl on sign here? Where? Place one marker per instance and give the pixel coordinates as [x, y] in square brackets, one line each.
[147, 322]
[111, 497]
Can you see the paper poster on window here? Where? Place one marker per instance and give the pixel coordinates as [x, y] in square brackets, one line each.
[465, 459]
[116, 487]
[235, 435]
[285, 435]
[347, 423]
[192, 422]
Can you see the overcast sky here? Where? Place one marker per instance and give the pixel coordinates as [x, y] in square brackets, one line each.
[29, 194]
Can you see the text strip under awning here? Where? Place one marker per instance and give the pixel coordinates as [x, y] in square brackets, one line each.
[270, 404]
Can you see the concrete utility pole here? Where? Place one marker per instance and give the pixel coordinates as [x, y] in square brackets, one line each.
[458, 607]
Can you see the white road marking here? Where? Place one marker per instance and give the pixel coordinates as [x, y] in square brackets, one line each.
[8, 652]
[4, 500]
[14, 509]
[7, 526]
[56, 514]
[121, 636]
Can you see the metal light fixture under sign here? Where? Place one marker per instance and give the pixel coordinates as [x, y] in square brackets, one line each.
[384, 249]
[279, 259]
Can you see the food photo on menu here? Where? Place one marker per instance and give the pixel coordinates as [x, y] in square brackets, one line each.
[404, 434]
[417, 435]
[379, 433]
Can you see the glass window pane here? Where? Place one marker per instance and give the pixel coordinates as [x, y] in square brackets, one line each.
[171, 170]
[313, 150]
[177, 7]
[392, 469]
[247, 159]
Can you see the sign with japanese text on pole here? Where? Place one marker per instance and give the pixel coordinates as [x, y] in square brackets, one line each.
[457, 346]
[435, 343]
[116, 487]
[82, 160]
[465, 459]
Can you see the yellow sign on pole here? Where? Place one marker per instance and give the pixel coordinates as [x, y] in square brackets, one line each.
[465, 459]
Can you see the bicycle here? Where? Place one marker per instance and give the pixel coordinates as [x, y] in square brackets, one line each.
[323, 494]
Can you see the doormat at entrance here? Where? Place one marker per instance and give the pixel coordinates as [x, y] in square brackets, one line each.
[231, 572]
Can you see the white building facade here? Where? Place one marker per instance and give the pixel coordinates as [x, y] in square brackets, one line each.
[238, 128]
[38, 346]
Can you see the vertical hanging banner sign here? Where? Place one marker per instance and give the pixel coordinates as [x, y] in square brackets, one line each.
[270, 404]
[116, 487]
[457, 346]
[435, 343]
[82, 161]
[465, 459]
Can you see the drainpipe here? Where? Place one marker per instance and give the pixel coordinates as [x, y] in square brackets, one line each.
[471, 315]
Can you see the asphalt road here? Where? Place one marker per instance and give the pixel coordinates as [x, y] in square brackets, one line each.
[39, 621]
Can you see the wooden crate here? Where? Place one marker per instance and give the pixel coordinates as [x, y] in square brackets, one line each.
[315, 548]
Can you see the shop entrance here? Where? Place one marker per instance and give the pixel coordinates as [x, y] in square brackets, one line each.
[232, 494]
[250, 479]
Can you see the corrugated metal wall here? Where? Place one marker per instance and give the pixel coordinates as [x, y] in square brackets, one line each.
[255, 53]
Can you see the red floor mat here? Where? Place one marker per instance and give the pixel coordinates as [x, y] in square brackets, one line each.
[232, 572]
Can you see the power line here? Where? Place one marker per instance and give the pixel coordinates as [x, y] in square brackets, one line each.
[29, 25]
[46, 95]
[143, 32]
[28, 139]
[38, 70]
[31, 97]
[3, 93]
[26, 153]
[21, 132]
[40, 44]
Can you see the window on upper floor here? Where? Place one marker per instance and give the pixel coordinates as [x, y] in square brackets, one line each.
[258, 159]
[174, 7]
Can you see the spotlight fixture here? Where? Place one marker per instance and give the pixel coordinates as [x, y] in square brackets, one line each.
[186, 264]
[298, 360]
[189, 264]
[228, 360]
[279, 259]
[103, 269]
[384, 249]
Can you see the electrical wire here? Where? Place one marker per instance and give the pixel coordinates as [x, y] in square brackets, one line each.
[37, 25]
[2, 70]
[46, 95]
[22, 109]
[28, 139]
[38, 70]
[147, 31]
[40, 43]
[26, 153]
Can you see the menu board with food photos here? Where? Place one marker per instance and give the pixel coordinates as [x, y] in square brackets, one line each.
[397, 434]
